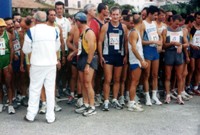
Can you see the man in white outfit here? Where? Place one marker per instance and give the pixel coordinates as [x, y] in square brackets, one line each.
[42, 41]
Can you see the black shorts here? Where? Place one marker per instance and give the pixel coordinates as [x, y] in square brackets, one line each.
[82, 61]
[115, 60]
[172, 58]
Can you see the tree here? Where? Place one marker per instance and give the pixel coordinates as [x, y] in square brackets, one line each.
[129, 7]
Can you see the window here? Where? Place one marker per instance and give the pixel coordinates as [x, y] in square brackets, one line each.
[79, 4]
[66, 3]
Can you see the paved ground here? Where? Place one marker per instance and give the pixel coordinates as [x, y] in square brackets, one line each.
[170, 119]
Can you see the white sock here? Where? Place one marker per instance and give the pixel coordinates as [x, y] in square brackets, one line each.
[132, 102]
[114, 99]
[72, 94]
[154, 92]
[106, 101]
[87, 105]
[93, 107]
[195, 87]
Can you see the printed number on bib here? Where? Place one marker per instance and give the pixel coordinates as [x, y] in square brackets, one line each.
[17, 47]
[114, 40]
[175, 37]
[2, 47]
[196, 38]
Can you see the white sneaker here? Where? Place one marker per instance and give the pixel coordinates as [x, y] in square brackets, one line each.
[121, 100]
[156, 100]
[173, 96]
[184, 97]
[138, 104]
[11, 109]
[43, 109]
[187, 95]
[99, 99]
[90, 111]
[148, 99]
[1, 108]
[57, 108]
[134, 107]
[79, 102]
[136, 98]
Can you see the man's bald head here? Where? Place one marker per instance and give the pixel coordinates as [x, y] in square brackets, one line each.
[40, 16]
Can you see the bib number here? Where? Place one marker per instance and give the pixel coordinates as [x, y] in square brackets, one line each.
[2, 47]
[114, 40]
[17, 47]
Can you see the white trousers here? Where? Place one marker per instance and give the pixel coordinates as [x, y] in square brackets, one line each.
[40, 76]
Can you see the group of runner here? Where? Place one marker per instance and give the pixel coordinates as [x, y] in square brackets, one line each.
[103, 49]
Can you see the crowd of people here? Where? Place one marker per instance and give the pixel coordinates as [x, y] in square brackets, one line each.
[46, 58]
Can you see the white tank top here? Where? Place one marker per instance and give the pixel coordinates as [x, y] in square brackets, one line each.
[132, 58]
[150, 33]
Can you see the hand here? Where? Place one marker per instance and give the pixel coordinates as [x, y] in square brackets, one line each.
[144, 64]
[195, 47]
[70, 56]
[22, 68]
[159, 49]
[159, 43]
[16, 57]
[125, 59]
[87, 68]
[63, 60]
[102, 61]
[179, 49]
[177, 44]
[187, 60]
[58, 65]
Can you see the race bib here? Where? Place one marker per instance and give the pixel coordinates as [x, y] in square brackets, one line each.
[2, 47]
[114, 40]
[196, 38]
[79, 47]
[154, 36]
[17, 47]
[175, 37]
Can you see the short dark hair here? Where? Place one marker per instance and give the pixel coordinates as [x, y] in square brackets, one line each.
[59, 3]
[115, 8]
[125, 11]
[174, 12]
[7, 18]
[127, 17]
[50, 10]
[15, 14]
[28, 20]
[197, 13]
[152, 10]
[190, 18]
[161, 11]
[176, 17]
[101, 6]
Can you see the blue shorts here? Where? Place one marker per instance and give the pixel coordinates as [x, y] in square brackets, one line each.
[74, 61]
[82, 61]
[134, 66]
[172, 58]
[195, 53]
[150, 53]
[115, 60]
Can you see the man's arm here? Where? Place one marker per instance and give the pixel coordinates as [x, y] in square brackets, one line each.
[101, 38]
[125, 43]
[91, 40]
[11, 47]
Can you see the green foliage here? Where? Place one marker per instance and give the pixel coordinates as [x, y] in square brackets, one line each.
[129, 7]
[191, 6]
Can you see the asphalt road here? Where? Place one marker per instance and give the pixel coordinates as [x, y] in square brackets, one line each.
[172, 119]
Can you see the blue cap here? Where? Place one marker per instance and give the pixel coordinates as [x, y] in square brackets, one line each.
[80, 16]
